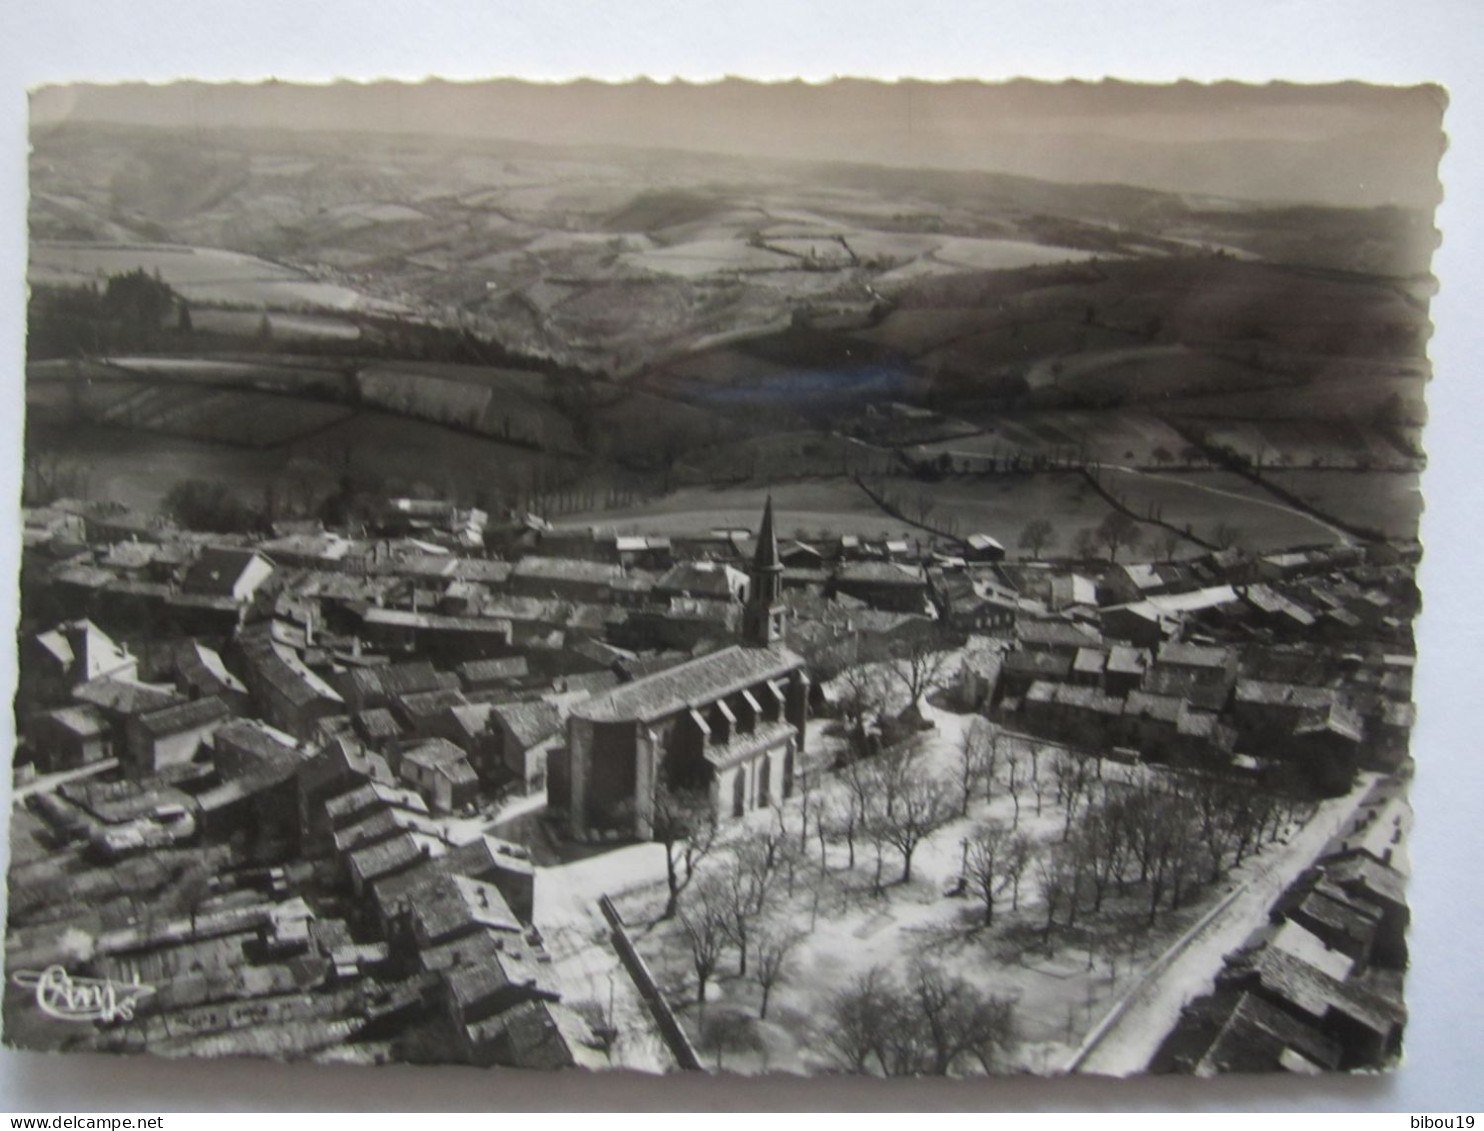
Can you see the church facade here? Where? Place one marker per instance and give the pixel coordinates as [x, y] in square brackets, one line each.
[730, 724]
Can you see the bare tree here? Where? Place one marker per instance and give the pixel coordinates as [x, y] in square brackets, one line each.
[1116, 532]
[1037, 779]
[725, 1032]
[1100, 841]
[1036, 535]
[1059, 873]
[1085, 544]
[862, 701]
[745, 883]
[685, 823]
[978, 754]
[921, 810]
[1014, 782]
[804, 782]
[861, 1017]
[1074, 777]
[954, 1019]
[773, 947]
[929, 1025]
[1017, 860]
[985, 864]
[703, 923]
[920, 669]
[1226, 535]
[1167, 543]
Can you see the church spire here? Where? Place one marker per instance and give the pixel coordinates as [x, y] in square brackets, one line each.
[766, 558]
[763, 621]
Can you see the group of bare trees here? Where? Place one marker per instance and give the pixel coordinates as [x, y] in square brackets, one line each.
[892, 803]
[1158, 838]
[1164, 834]
[1111, 847]
[931, 1024]
[734, 909]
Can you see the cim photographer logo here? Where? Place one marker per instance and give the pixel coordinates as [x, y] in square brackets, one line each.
[63, 997]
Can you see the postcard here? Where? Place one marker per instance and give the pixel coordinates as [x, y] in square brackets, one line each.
[904, 579]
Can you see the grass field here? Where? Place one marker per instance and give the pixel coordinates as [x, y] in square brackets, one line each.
[283, 326]
[1390, 502]
[201, 274]
[1298, 443]
[819, 508]
[1203, 501]
[1002, 505]
[1107, 437]
[139, 468]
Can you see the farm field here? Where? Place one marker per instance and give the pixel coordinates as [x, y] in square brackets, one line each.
[1105, 437]
[1336, 389]
[1204, 501]
[1390, 502]
[283, 326]
[1299, 443]
[225, 415]
[995, 505]
[812, 508]
[1001, 505]
[783, 455]
[207, 275]
[138, 468]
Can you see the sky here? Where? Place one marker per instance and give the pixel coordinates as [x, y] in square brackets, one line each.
[1340, 144]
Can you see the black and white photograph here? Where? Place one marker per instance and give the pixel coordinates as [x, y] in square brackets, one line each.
[900, 579]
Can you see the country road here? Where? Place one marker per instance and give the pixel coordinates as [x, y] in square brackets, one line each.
[1132, 1031]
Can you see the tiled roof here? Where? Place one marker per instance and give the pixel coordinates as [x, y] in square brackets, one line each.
[1057, 634]
[1194, 655]
[216, 571]
[401, 618]
[377, 723]
[537, 568]
[184, 717]
[83, 721]
[1314, 992]
[1283, 694]
[881, 573]
[425, 703]
[482, 671]
[1371, 877]
[1037, 664]
[379, 860]
[1255, 1036]
[124, 697]
[695, 682]
[530, 722]
[432, 753]
[253, 738]
[277, 667]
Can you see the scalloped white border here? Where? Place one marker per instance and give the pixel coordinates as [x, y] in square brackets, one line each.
[1150, 40]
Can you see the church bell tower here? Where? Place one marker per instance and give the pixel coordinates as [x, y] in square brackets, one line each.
[763, 621]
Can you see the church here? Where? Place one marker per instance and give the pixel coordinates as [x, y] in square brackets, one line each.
[730, 723]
